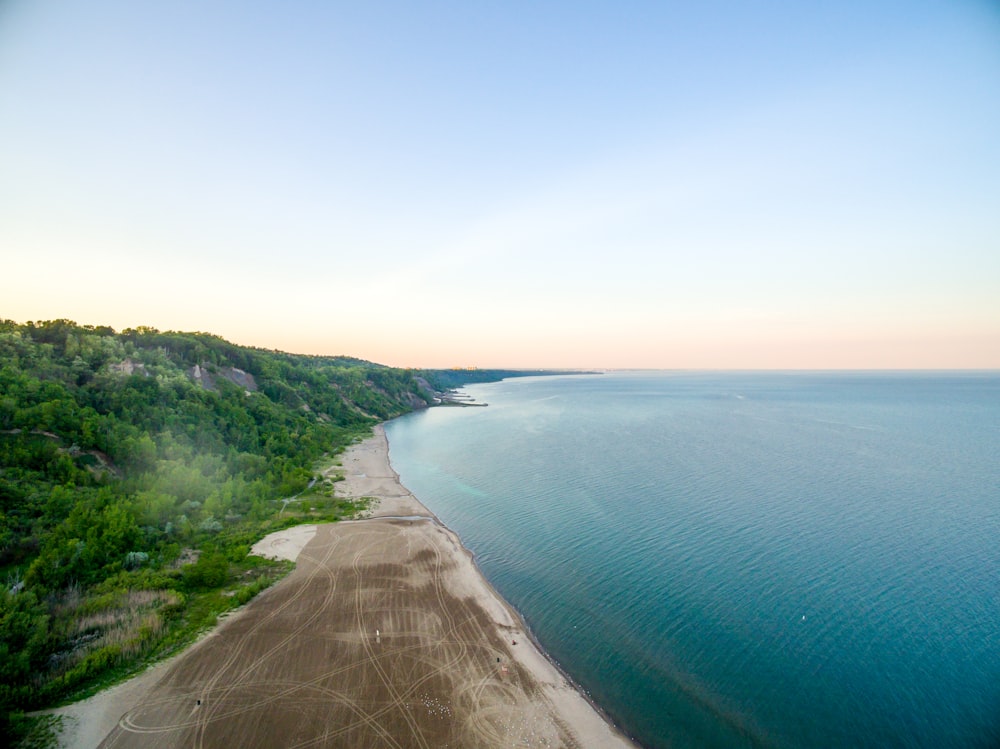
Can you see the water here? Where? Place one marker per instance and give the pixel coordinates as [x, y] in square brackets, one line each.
[741, 560]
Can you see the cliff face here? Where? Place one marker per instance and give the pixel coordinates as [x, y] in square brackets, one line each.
[206, 376]
[415, 401]
[128, 367]
[329, 387]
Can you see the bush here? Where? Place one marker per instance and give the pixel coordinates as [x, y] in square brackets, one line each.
[135, 559]
[210, 571]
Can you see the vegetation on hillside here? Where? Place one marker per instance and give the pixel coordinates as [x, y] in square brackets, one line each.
[136, 469]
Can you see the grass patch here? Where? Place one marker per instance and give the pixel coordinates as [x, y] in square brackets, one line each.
[319, 508]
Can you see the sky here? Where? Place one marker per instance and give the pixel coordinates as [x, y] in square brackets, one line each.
[725, 185]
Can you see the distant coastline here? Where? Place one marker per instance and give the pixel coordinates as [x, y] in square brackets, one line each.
[448, 383]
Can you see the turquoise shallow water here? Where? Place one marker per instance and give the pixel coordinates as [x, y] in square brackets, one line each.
[741, 560]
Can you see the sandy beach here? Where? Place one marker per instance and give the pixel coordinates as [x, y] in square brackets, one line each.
[385, 635]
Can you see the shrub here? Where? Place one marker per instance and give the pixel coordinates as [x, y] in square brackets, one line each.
[135, 559]
[210, 571]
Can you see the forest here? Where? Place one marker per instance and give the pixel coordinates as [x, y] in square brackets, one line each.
[136, 470]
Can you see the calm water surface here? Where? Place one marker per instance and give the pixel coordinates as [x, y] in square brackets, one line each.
[741, 560]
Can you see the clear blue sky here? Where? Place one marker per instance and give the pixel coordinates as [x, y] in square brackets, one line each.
[729, 184]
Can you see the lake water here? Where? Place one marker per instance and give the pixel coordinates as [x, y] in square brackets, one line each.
[741, 560]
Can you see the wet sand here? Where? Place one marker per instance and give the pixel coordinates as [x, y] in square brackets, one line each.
[385, 635]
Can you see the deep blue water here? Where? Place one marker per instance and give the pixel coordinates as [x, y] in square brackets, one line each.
[741, 560]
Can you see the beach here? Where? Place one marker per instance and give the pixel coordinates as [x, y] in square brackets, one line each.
[386, 634]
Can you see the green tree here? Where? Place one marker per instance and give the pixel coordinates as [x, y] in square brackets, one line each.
[24, 630]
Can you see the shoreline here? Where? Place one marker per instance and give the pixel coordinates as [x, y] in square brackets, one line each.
[386, 631]
[378, 444]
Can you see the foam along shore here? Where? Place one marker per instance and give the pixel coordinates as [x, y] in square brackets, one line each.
[385, 634]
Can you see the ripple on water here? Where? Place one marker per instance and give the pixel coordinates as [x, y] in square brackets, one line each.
[812, 564]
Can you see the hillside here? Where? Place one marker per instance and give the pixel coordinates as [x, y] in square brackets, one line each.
[135, 470]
